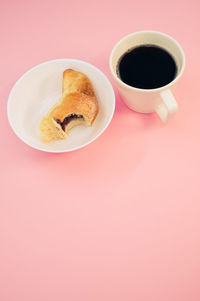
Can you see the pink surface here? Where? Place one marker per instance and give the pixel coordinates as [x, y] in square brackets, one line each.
[120, 218]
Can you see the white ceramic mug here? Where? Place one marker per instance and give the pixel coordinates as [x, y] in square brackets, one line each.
[159, 100]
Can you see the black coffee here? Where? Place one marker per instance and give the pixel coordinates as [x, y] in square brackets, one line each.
[146, 67]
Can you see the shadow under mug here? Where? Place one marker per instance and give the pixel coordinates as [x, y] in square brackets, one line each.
[159, 100]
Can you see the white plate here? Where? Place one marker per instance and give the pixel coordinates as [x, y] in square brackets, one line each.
[37, 91]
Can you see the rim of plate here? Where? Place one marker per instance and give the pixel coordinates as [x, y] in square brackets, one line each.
[72, 148]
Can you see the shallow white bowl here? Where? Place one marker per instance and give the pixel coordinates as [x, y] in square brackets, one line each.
[37, 91]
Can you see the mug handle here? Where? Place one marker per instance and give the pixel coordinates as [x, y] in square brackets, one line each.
[168, 107]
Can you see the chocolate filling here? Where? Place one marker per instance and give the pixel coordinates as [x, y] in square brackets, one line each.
[67, 119]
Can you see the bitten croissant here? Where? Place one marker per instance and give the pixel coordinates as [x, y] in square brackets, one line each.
[78, 105]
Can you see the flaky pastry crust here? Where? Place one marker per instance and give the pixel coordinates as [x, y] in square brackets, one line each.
[78, 105]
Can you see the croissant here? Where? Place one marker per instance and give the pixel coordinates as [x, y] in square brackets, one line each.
[78, 105]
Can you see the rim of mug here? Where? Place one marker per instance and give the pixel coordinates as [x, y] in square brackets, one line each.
[121, 83]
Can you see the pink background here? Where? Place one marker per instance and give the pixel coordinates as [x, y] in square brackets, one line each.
[120, 218]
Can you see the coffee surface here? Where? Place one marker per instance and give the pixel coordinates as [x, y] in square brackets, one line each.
[147, 67]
